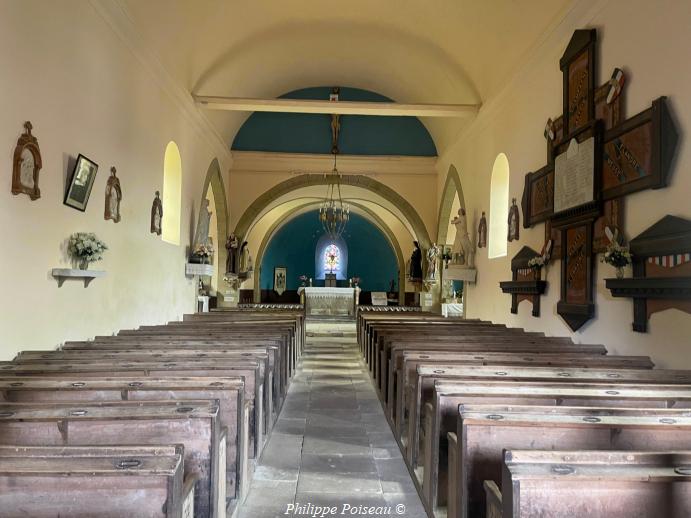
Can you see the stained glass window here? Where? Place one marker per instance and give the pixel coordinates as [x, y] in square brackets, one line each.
[332, 259]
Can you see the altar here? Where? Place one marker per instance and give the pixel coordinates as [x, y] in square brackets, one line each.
[329, 302]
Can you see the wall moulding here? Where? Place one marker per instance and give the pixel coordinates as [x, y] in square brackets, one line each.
[299, 163]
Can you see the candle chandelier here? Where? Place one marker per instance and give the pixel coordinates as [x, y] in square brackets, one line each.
[333, 213]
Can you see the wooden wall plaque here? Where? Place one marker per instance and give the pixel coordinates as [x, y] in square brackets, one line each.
[578, 67]
[26, 164]
[576, 305]
[638, 153]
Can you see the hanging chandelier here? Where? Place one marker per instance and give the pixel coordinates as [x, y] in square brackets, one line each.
[333, 213]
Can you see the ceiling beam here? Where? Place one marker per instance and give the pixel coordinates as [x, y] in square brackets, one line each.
[243, 104]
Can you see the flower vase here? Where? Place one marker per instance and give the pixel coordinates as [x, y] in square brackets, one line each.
[620, 272]
[83, 263]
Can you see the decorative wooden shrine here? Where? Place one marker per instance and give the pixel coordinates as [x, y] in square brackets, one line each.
[593, 160]
[661, 271]
[526, 283]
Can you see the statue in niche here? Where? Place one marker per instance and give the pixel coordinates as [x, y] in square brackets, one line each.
[463, 252]
[202, 235]
[415, 272]
[232, 244]
[432, 259]
[113, 197]
[157, 215]
[245, 259]
[482, 232]
[513, 221]
[26, 164]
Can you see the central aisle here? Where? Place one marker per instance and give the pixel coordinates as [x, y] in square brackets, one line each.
[332, 445]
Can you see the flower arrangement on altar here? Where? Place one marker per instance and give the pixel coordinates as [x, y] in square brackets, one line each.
[303, 279]
[85, 248]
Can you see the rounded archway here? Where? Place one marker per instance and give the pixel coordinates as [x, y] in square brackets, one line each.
[261, 204]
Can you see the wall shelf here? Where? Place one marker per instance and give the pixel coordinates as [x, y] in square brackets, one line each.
[651, 287]
[525, 283]
[62, 274]
[661, 271]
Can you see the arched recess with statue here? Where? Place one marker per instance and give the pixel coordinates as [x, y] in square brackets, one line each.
[214, 200]
[451, 204]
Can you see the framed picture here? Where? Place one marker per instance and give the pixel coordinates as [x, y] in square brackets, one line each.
[280, 279]
[81, 182]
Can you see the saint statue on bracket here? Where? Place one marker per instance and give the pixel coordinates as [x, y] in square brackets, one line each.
[113, 197]
[157, 215]
[514, 221]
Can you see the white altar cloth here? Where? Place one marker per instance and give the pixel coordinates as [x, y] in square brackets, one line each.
[338, 302]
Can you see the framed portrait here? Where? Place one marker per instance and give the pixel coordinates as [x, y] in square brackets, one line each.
[280, 279]
[81, 182]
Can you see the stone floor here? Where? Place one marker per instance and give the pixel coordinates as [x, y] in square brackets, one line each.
[332, 446]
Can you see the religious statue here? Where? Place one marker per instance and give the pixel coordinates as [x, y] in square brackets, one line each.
[415, 272]
[113, 197]
[432, 258]
[232, 244]
[482, 232]
[157, 215]
[201, 237]
[245, 259]
[513, 221]
[462, 251]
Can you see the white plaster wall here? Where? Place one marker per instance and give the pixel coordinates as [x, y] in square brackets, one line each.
[64, 68]
[650, 40]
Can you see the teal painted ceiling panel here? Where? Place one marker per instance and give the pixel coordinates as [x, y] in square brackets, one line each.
[311, 133]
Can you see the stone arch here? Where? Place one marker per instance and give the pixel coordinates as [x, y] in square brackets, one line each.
[308, 180]
[214, 178]
[452, 186]
[366, 212]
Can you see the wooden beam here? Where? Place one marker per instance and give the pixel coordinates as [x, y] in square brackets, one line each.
[336, 107]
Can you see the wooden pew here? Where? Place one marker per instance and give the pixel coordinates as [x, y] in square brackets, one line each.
[219, 337]
[441, 417]
[588, 484]
[194, 424]
[229, 392]
[484, 431]
[277, 365]
[273, 389]
[495, 341]
[423, 385]
[248, 370]
[76, 481]
[408, 361]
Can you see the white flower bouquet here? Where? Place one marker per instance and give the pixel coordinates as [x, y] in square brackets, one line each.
[86, 248]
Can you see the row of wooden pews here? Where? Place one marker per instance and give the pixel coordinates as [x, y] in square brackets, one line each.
[494, 421]
[162, 421]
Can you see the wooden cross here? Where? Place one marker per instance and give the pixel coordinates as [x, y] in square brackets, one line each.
[594, 159]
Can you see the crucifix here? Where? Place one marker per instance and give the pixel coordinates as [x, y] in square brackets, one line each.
[594, 159]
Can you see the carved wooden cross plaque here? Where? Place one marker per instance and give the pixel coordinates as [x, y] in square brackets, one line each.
[593, 160]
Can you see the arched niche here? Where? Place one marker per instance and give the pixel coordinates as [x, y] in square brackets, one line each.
[452, 189]
[214, 188]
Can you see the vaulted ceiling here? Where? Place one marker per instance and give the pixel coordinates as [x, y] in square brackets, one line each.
[439, 51]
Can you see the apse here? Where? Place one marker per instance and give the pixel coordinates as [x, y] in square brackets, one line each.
[300, 246]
